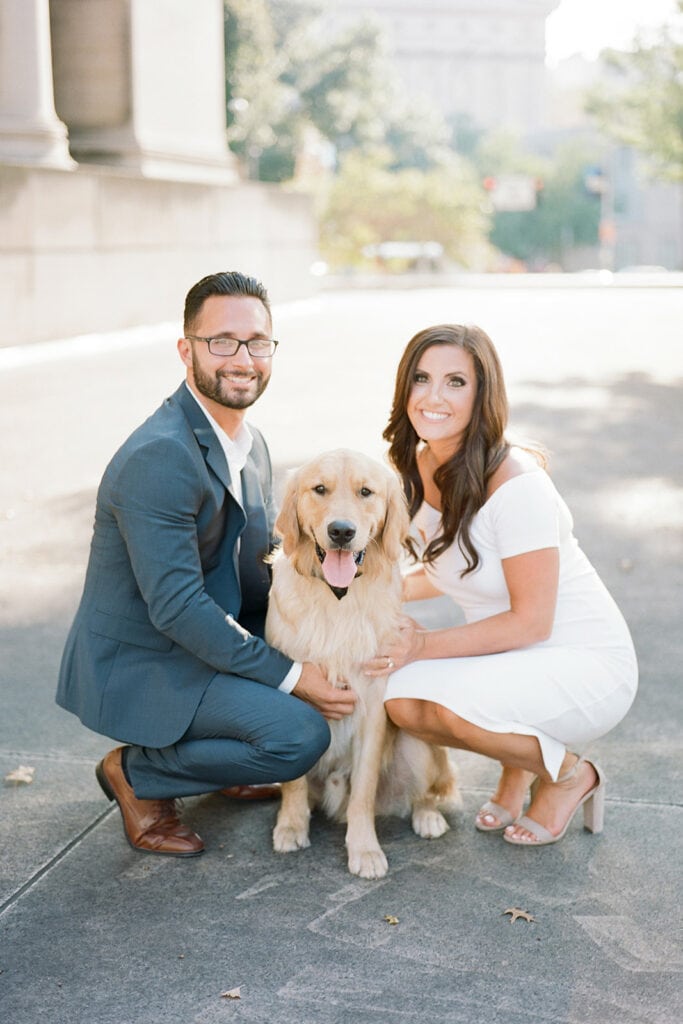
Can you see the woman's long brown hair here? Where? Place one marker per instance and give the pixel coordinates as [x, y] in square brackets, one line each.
[462, 480]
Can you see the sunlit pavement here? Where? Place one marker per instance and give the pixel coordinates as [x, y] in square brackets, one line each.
[92, 931]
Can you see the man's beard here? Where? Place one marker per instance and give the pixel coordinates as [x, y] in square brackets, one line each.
[213, 387]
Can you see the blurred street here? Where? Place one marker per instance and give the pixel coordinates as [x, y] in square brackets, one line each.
[596, 374]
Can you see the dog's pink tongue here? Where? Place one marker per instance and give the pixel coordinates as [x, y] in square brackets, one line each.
[339, 568]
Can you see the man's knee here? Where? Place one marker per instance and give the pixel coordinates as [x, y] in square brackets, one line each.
[307, 742]
[315, 734]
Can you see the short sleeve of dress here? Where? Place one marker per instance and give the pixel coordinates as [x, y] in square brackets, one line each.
[524, 514]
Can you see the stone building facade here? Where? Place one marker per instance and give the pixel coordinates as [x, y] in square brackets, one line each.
[117, 188]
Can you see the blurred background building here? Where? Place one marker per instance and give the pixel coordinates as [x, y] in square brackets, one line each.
[642, 213]
[483, 66]
[144, 143]
[484, 60]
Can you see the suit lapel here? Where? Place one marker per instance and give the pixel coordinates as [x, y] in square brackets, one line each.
[214, 456]
[253, 528]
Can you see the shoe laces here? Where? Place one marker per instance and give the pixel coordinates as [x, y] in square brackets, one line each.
[168, 810]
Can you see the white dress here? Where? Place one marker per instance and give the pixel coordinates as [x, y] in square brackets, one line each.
[567, 690]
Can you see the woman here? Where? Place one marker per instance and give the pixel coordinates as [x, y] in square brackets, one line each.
[544, 664]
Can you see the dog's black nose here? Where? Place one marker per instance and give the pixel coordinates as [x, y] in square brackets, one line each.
[341, 532]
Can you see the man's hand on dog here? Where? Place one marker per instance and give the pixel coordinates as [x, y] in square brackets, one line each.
[330, 701]
[409, 646]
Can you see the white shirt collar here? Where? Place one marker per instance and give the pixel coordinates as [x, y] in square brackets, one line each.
[236, 448]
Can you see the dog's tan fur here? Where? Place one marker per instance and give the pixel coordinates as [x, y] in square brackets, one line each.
[370, 767]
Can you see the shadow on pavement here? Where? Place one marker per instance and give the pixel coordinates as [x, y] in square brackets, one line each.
[94, 932]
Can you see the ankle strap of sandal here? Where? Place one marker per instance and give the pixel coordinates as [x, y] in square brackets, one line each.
[572, 771]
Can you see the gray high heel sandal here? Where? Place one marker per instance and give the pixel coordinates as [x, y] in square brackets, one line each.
[504, 817]
[593, 803]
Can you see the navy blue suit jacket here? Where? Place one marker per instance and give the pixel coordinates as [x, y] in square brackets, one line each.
[167, 598]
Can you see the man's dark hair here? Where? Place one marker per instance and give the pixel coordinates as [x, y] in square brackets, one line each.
[228, 282]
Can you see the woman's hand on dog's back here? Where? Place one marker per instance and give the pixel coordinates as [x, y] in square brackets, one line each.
[331, 701]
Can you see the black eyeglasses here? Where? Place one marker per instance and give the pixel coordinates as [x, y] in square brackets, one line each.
[259, 348]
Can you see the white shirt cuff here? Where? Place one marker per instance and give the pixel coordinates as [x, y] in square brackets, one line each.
[292, 678]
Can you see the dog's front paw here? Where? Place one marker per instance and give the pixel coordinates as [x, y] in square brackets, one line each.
[368, 863]
[287, 837]
[429, 824]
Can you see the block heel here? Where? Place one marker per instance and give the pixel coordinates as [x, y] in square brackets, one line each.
[593, 803]
[594, 807]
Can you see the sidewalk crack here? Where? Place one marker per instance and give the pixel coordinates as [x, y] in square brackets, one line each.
[53, 861]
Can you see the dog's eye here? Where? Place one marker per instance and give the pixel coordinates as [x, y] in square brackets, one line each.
[365, 492]
[320, 489]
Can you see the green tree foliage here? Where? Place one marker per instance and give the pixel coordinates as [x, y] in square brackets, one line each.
[644, 105]
[465, 134]
[286, 74]
[416, 135]
[342, 83]
[369, 203]
[566, 214]
[257, 101]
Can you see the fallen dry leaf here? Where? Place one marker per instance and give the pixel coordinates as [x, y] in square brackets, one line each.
[21, 776]
[390, 919]
[515, 913]
[232, 993]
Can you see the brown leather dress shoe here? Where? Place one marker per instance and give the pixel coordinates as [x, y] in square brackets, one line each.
[151, 826]
[262, 791]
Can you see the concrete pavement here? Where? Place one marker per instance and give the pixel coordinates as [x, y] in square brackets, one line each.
[91, 931]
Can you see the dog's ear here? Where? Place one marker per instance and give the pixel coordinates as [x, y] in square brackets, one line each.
[287, 522]
[396, 522]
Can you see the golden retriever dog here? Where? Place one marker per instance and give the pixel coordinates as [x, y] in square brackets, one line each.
[335, 600]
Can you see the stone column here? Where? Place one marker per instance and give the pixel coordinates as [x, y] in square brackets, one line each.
[141, 85]
[30, 131]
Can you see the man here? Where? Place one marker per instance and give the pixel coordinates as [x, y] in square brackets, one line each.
[166, 652]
